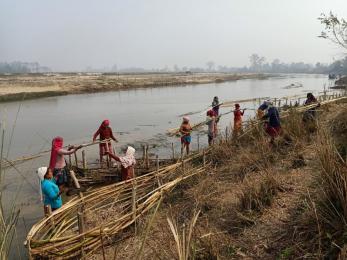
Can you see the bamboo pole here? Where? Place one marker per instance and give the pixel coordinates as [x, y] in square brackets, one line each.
[157, 162]
[134, 202]
[84, 160]
[173, 151]
[157, 168]
[147, 157]
[75, 180]
[108, 159]
[47, 210]
[102, 244]
[76, 160]
[81, 229]
[198, 137]
[183, 167]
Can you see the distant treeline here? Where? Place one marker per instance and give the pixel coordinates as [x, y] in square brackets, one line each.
[22, 67]
[257, 64]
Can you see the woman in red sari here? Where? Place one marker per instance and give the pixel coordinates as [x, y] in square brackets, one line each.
[105, 133]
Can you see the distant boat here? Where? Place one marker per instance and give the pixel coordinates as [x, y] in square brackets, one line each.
[294, 85]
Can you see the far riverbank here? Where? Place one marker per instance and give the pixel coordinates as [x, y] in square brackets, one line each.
[31, 86]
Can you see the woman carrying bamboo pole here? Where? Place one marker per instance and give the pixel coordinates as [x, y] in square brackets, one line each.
[212, 126]
[127, 163]
[310, 114]
[105, 133]
[57, 162]
[238, 114]
[215, 107]
[186, 138]
[273, 126]
[262, 108]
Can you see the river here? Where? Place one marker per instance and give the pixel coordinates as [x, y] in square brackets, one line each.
[137, 116]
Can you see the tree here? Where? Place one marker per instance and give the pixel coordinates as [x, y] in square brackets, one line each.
[335, 29]
[256, 62]
[210, 65]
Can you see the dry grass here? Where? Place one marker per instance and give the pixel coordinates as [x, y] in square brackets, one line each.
[256, 196]
[321, 219]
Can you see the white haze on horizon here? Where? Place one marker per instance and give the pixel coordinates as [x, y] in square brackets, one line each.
[71, 35]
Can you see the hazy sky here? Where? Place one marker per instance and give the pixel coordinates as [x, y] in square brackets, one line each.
[74, 34]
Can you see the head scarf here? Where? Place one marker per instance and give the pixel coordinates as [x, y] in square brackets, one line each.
[41, 172]
[310, 95]
[186, 119]
[105, 123]
[237, 105]
[129, 158]
[57, 144]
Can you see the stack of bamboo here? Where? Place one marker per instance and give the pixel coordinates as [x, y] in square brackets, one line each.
[64, 234]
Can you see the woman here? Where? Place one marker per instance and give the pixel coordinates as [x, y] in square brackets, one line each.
[127, 163]
[211, 123]
[262, 108]
[238, 114]
[105, 133]
[310, 114]
[215, 106]
[273, 126]
[185, 131]
[57, 162]
[50, 190]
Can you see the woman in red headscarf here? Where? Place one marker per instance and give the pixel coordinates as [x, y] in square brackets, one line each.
[105, 133]
[57, 162]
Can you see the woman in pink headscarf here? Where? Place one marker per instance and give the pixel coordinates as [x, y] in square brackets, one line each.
[127, 163]
[105, 133]
[57, 162]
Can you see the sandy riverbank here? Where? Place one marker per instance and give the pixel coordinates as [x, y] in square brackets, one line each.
[30, 86]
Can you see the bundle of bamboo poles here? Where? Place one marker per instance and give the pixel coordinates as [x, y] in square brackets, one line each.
[175, 131]
[325, 100]
[254, 122]
[10, 163]
[64, 233]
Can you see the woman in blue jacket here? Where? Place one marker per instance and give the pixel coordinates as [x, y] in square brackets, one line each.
[50, 190]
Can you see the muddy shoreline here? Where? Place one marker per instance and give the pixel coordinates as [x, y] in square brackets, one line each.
[32, 86]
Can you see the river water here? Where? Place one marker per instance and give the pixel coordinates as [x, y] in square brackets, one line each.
[137, 116]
